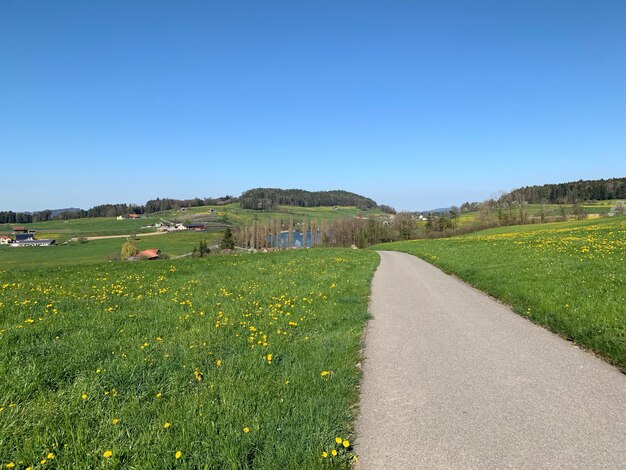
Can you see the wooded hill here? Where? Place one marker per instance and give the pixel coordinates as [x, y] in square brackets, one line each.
[572, 192]
[270, 198]
[111, 210]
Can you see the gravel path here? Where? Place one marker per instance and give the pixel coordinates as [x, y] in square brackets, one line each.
[453, 379]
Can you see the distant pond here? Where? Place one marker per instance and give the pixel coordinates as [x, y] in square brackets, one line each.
[297, 241]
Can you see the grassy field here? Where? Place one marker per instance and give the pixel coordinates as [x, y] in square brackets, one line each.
[173, 244]
[230, 213]
[97, 251]
[570, 277]
[223, 362]
[552, 211]
[62, 230]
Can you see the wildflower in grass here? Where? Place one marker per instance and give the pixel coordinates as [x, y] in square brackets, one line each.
[246, 429]
[346, 443]
[115, 420]
[198, 375]
[324, 373]
[338, 440]
[43, 461]
[166, 425]
[178, 454]
[84, 396]
[334, 453]
[218, 363]
[107, 454]
[10, 465]
[50, 456]
[159, 395]
[324, 455]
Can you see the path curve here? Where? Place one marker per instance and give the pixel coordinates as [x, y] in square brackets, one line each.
[103, 237]
[453, 379]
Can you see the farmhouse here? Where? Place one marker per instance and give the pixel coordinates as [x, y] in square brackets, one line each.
[152, 253]
[20, 229]
[4, 240]
[33, 242]
[197, 227]
[20, 237]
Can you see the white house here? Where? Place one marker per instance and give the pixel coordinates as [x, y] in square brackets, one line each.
[4, 240]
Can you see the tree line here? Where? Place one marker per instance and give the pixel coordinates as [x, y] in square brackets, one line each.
[270, 198]
[572, 192]
[277, 234]
[111, 210]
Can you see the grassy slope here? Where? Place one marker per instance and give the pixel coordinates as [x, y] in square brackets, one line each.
[570, 277]
[174, 244]
[553, 210]
[82, 346]
[238, 216]
[96, 251]
[232, 212]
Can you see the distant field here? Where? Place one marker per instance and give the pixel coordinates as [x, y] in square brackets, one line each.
[552, 211]
[224, 362]
[95, 226]
[228, 213]
[173, 244]
[238, 216]
[570, 277]
[97, 251]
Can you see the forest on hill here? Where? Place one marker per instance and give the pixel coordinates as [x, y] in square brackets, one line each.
[270, 198]
[572, 192]
[111, 210]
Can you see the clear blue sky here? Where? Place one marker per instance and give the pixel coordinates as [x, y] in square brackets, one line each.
[415, 104]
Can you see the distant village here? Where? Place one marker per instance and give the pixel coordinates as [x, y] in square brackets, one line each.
[24, 237]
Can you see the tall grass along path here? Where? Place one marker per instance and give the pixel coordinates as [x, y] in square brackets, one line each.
[453, 379]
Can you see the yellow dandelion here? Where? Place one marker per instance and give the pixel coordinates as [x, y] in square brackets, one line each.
[84, 396]
[50, 455]
[218, 363]
[338, 440]
[246, 429]
[43, 461]
[167, 425]
[107, 454]
[346, 443]
[324, 454]
[115, 420]
[159, 395]
[10, 465]
[334, 453]
[178, 454]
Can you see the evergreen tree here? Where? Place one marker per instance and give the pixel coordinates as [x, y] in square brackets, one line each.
[227, 242]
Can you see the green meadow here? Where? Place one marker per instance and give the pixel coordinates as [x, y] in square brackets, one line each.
[67, 253]
[241, 361]
[570, 277]
[98, 251]
[227, 213]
